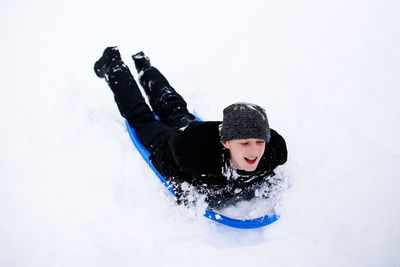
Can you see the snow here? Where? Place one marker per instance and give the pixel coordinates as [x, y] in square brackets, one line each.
[259, 206]
[74, 192]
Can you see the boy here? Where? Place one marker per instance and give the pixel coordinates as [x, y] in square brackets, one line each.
[226, 161]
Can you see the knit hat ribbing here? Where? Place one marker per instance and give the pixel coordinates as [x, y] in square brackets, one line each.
[244, 120]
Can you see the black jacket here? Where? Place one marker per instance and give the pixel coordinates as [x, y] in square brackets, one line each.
[195, 155]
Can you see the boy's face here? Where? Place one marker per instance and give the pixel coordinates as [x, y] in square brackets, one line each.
[245, 153]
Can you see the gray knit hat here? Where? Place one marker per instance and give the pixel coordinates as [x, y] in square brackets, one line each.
[244, 120]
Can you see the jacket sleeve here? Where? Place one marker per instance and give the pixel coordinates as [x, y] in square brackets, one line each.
[197, 148]
[278, 150]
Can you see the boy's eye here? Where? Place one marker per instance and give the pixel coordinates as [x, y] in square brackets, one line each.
[260, 142]
[243, 144]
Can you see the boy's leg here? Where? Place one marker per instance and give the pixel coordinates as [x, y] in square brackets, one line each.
[165, 101]
[129, 99]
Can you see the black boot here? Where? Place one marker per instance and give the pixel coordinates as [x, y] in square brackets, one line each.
[110, 55]
[142, 62]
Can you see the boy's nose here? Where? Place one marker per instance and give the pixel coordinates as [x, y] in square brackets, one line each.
[252, 150]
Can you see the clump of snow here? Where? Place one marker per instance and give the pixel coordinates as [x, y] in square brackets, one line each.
[267, 199]
[193, 200]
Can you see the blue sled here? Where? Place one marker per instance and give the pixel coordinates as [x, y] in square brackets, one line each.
[242, 224]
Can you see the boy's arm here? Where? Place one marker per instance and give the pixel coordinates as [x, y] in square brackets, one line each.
[277, 145]
[197, 149]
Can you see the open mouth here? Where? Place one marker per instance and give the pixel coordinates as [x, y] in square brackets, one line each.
[251, 161]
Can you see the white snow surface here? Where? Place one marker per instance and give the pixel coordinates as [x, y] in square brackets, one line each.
[75, 192]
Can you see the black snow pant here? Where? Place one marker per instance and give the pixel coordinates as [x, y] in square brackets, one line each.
[166, 103]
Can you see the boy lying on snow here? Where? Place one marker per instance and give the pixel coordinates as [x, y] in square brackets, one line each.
[226, 161]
